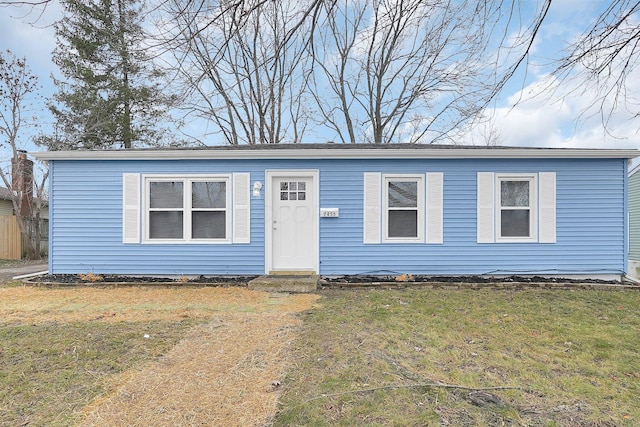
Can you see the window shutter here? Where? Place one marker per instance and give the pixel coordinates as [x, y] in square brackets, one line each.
[241, 208]
[372, 199]
[547, 204]
[435, 204]
[131, 208]
[485, 207]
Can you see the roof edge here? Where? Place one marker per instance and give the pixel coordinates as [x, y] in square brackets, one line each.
[337, 153]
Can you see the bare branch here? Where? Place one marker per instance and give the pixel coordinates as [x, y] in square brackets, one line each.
[603, 58]
[241, 67]
[17, 83]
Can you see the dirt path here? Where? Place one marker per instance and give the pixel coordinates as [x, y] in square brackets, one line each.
[227, 371]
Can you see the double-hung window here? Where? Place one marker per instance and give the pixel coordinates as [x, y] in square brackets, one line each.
[403, 218]
[209, 209]
[188, 209]
[516, 207]
[403, 208]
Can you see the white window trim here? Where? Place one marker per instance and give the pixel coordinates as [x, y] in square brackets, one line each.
[533, 207]
[419, 178]
[186, 226]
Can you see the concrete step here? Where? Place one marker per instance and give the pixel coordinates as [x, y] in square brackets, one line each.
[285, 283]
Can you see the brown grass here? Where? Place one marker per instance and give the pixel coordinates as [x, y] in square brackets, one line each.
[226, 371]
[136, 304]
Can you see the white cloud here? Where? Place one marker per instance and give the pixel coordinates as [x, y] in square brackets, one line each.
[537, 110]
[552, 113]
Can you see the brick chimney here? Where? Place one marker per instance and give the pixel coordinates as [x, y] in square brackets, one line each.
[22, 181]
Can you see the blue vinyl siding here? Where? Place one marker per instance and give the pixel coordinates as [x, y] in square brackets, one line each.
[86, 215]
[590, 224]
[87, 225]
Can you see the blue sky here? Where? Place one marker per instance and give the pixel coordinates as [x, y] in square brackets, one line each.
[538, 119]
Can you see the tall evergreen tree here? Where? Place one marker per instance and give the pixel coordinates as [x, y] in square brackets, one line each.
[111, 95]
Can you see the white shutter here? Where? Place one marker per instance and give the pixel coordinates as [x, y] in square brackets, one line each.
[485, 207]
[372, 199]
[547, 204]
[435, 204]
[241, 208]
[131, 208]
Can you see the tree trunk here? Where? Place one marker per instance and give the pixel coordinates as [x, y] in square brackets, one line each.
[124, 56]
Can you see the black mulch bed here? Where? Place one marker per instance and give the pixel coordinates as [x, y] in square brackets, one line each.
[110, 279]
[324, 281]
[456, 279]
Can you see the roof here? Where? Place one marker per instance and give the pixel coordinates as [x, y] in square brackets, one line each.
[336, 151]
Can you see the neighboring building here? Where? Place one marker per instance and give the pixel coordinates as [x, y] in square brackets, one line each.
[340, 209]
[6, 205]
[634, 222]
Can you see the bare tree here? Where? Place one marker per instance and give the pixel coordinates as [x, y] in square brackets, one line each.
[412, 70]
[17, 85]
[605, 56]
[381, 70]
[242, 65]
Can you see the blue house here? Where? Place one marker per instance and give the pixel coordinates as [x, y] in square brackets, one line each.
[339, 209]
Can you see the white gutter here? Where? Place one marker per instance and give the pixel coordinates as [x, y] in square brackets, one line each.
[338, 153]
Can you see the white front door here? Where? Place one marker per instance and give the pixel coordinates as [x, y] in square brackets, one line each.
[293, 221]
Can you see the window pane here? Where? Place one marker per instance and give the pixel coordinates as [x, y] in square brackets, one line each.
[514, 193]
[165, 225]
[293, 186]
[302, 186]
[208, 225]
[284, 186]
[515, 223]
[302, 196]
[209, 195]
[403, 223]
[165, 194]
[403, 194]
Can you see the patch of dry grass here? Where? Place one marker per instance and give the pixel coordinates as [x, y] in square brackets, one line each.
[37, 304]
[223, 373]
[143, 356]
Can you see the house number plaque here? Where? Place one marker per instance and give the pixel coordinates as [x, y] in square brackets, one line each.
[329, 212]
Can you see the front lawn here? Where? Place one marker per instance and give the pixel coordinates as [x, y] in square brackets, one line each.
[467, 358]
[151, 356]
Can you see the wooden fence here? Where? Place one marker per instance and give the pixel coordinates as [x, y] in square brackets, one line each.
[30, 225]
[10, 239]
